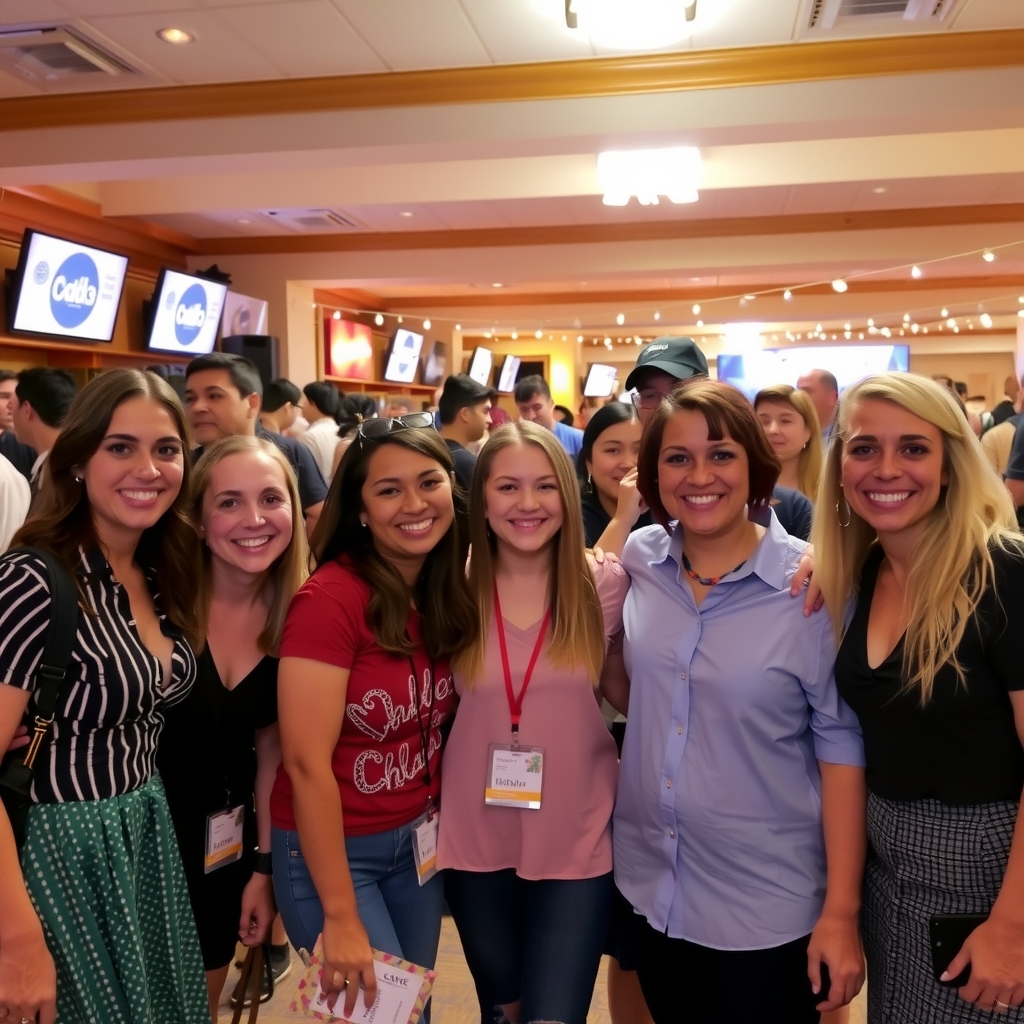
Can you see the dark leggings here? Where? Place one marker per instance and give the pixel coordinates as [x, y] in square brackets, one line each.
[536, 942]
[684, 982]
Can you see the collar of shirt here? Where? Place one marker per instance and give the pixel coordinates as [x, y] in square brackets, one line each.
[769, 560]
[37, 466]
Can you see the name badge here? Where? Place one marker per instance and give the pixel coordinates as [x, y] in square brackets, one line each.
[424, 847]
[515, 777]
[224, 837]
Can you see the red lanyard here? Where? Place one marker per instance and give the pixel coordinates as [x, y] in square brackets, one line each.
[515, 704]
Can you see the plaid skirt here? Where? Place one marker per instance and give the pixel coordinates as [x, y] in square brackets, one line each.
[927, 858]
[106, 880]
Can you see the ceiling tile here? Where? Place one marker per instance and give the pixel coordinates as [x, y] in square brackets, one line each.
[217, 55]
[398, 29]
[105, 8]
[988, 14]
[748, 23]
[303, 38]
[12, 86]
[526, 31]
[31, 12]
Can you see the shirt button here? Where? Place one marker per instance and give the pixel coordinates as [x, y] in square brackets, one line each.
[668, 783]
[679, 730]
[672, 833]
[682, 675]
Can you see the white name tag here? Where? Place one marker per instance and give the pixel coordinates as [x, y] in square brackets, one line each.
[424, 847]
[224, 837]
[515, 777]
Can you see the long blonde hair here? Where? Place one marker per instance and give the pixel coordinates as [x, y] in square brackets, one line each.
[813, 455]
[952, 562]
[290, 570]
[576, 635]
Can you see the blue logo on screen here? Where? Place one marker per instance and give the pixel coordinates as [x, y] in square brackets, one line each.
[190, 315]
[74, 290]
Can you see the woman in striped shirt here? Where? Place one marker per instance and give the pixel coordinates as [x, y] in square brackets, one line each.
[96, 923]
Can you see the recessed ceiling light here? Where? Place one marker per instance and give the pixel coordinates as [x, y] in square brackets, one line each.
[879, 190]
[988, 255]
[176, 36]
[405, 213]
[244, 220]
[497, 284]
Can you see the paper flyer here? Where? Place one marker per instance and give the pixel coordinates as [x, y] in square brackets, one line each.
[402, 992]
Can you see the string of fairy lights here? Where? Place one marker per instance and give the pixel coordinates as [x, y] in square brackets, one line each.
[925, 319]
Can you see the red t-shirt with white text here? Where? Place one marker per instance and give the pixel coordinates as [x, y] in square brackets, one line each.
[378, 761]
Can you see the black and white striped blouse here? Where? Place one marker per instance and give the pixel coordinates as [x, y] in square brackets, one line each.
[109, 717]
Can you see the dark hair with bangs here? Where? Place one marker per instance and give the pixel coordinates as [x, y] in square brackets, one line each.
[728, 414]
[441, 593]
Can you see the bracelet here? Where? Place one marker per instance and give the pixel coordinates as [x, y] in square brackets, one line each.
[262, 864]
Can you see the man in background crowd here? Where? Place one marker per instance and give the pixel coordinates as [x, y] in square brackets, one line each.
[823, 390]
[535, 404]
[42, 399]
[660, 368]
[1008, 406]
[465, 408]
[320, 404]
[222, 398]
[280, 406]
[397, 406]
[21, 455]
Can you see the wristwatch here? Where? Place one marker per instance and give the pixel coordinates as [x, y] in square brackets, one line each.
[262, 864]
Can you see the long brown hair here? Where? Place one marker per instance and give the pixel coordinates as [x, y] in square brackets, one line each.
[448, 615]
[62, 519]
[290, 570]
[576, 636]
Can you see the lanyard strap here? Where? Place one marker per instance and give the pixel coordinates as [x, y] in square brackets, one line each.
[515, 704]
[424, 728]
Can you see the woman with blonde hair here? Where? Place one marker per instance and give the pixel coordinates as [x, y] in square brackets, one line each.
[530, 767]
[791, 423]
[917, 529]
[245, 505]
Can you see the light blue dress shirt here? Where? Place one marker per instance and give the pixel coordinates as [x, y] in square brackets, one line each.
[570, 438]
[717, 828]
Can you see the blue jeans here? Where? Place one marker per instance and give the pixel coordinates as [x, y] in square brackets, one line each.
[399, 915]
[538, 942]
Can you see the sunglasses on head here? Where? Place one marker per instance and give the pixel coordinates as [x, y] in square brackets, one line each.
[373, 430]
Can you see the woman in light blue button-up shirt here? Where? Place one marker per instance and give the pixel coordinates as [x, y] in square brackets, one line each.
[739, 824]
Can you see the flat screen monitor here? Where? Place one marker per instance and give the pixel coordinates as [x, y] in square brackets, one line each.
[600, 381]
[185, 314]
[65, 290]
[752, 371]
[507, 376]
[244, 315]
[480, 366]
[404, 357]
[349, 349]
[436, 364]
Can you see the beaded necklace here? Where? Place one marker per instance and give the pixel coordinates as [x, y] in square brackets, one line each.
[708, 581]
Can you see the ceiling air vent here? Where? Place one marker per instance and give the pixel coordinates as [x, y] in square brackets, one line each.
[826, 14]
[55, 54]
[312, 220]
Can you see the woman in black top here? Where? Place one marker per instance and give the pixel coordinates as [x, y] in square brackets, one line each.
[919, 528]
[606, 466]
[220, 749]
[97, 906]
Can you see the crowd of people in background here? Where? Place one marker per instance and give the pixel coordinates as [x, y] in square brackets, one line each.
[574, 652]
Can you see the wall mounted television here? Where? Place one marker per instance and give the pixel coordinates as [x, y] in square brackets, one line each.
[507, 376]
[480, 366]
[184, 314]
[752, 371]
[61, 289]
[404, 357]
[600, 381]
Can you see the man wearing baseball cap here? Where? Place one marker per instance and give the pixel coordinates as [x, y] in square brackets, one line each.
[662, 366]
[465, 410]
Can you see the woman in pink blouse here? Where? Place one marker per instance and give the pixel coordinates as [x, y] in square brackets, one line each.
[530, 768]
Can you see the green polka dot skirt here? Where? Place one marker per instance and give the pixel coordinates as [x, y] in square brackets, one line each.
[106, 880]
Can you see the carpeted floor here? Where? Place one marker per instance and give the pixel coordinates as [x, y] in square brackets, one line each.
[454, 998]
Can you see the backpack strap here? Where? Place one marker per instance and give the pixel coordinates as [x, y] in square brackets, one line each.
[61, 632]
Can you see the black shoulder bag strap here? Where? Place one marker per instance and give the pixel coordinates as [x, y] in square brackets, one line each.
[61, 632]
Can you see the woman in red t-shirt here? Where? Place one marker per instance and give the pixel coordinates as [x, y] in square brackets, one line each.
[364, 687]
